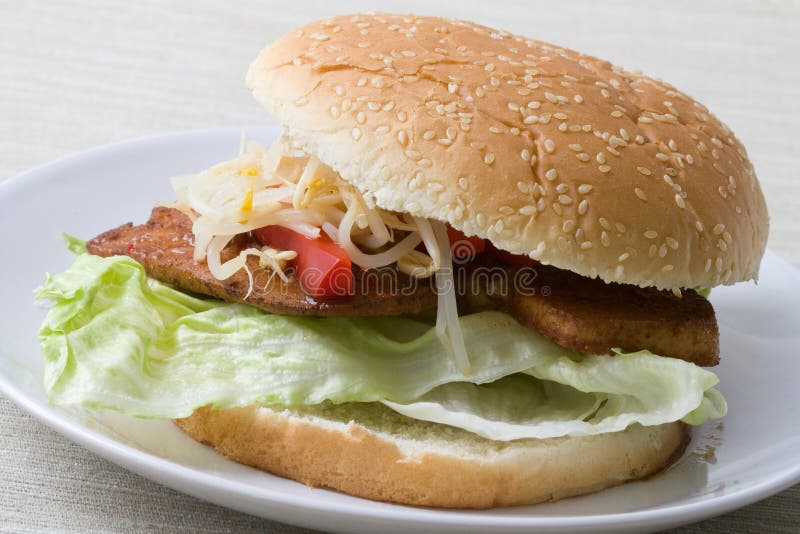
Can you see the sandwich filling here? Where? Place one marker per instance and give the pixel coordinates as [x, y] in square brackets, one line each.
[290, 252]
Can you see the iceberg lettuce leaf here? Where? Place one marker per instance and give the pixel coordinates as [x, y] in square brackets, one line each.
[115, 339]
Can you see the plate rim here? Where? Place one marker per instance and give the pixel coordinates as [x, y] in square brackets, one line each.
[172, 474]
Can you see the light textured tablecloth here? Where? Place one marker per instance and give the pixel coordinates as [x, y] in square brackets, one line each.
[77, 74]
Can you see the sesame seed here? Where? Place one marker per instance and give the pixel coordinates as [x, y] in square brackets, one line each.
[428, 135]
[568, 225]
[604, 168]
[586, 245]
[644, 171]
[463, 183]
[382, 129]
[562, 188]
[531, 119]
[604, 239]
[534, 104]
[513, 106]
[616, 114]
[361, 117]
[718, 229]
[551, 175]
[662, 251]
[601, 158]
[583, 206]
[641, 194]
[708, 265]
[401, 116]
[621, 228]
[699, 226]
[565, 199]
[373, 106]
[680, 202]
[584, 188]
[666, 268]
[334, 111]
[549, 146]
[583, 156]
[719, 265]
[488, 159]
[578, 99]
[615, 141]
[604, 223]
[575, 147]
[356, 133]
[651, 234]
[624, 256]
[525, 154]
[402, 137]
[301, 102]
[651, 253]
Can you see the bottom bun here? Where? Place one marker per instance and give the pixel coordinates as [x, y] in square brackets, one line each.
[368, 450]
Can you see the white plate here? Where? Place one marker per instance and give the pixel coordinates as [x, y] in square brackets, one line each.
[754, 452]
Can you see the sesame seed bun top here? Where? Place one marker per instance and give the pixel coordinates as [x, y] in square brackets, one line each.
[542, 150]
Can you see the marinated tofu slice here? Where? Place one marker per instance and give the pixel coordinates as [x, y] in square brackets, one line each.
[579, 313]
[164, 245]
[591, 316]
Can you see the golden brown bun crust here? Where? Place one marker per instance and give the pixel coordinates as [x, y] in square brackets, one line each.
[406, 461]
[543, 150]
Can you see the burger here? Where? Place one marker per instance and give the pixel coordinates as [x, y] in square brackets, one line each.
[471, 272]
